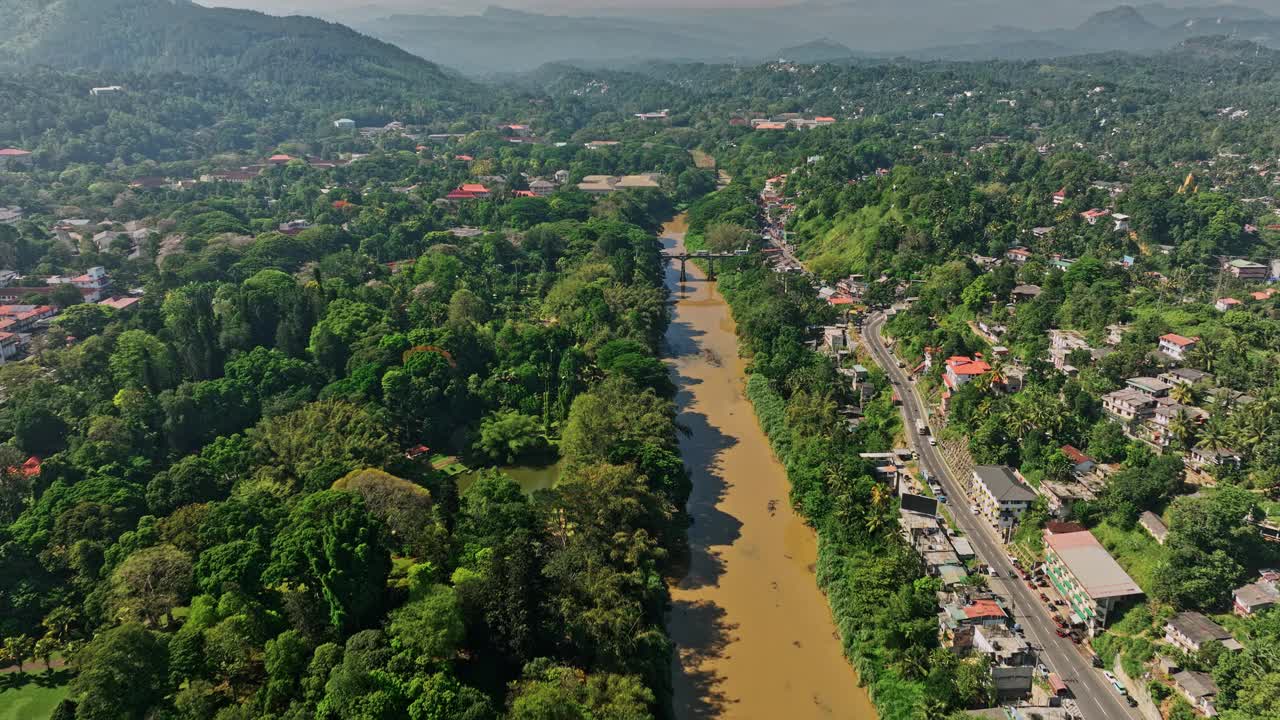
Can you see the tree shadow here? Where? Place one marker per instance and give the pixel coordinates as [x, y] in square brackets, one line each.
[705, 634]
[37, 676]
[701, 447]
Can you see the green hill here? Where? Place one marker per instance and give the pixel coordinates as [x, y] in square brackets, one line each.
[244, 47]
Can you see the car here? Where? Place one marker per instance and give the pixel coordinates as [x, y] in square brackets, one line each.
[1060, 603]
[1061, 633]
[973, 509]
[1096, 661]
[1044, 598]
[1109, 676]
[1076, 637]
[1044, 669]
[1031, 585]
[993, 572]
[1129, 699]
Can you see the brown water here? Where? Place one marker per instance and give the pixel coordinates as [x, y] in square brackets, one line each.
[754, 635]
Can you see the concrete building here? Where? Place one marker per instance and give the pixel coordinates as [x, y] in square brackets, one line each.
[1012, 660]
[1000, 495]
[1086, 575]
[344, 124]
[1191, 631]
[1199, 689]
[1176, 346]
[1128, 405]
[1245, 269]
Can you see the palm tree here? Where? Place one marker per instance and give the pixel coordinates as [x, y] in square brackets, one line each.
[1183, 394]
[1205, 355]
[1214, 436]
[1182, 429]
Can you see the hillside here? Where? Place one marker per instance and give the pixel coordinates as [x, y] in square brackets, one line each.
[249, 48]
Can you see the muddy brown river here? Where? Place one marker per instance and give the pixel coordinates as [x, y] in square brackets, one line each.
[754, 636]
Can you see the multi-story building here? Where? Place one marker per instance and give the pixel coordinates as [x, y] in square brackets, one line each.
[1176, 346]
[1086, 575]
[1128, 405]
[1000, 495]
[1061, 344]
[961, 370]
[1012, 660]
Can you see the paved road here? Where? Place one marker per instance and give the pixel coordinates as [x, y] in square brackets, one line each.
[1095, 696]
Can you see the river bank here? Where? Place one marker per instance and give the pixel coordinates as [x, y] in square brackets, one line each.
[754, 636]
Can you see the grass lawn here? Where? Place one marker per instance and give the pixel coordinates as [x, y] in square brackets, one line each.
[32, 696]
[1136, 551]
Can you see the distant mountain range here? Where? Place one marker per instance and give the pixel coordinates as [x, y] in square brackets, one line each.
[299, 54]
[501, 40]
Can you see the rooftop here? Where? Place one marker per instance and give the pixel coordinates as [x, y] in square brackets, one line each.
[1197, 684]
[1003, 484]
[1199, 628]
[1093, 567]
[1179, 340]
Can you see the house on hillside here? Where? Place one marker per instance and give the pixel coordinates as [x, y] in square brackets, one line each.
[1177, 346]
[1191, 631]
[1227, 303]
[1245, 269]
[1199, 689]
[1093, 216]
[962, 370]
[1128, 405]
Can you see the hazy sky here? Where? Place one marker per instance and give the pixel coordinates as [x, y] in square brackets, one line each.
[380, 7]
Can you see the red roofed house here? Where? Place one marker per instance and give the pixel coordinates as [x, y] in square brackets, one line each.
[12, 157]
[279, 159]
[1018, 254]
[463, 158]
[1227, 303]
[475, 189]
[823, 120]
[1093, 216]
[120, 304]
[1060, 197]
[1177, 346]
[1080, 463]
[525, 193]
[771, 126]
[962, 370]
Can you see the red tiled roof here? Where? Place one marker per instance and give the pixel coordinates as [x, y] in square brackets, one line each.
[824, 119]
[460, 195]
[473, 188]
[840, 300]
[464, 158]
[1074, 455]
[1179, 340]
[525, 193]
[14, 152]
[985, 608]
[279, 157]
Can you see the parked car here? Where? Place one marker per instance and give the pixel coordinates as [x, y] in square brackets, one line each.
[1044, 598]
[1096, 661]
[1061, 633]
[993, 572]
[1031, 585]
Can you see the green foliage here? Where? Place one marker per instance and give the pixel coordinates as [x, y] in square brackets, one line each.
[333, 548]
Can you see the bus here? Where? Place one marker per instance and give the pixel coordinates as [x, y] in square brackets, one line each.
[921, 427]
